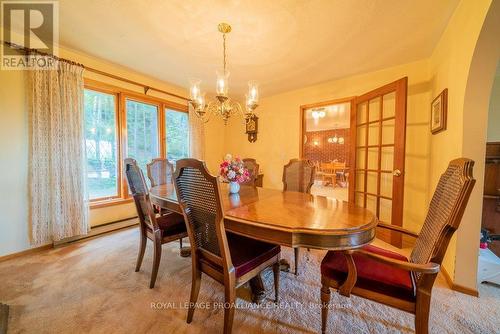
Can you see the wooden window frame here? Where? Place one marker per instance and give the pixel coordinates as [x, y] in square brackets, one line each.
[121, 96]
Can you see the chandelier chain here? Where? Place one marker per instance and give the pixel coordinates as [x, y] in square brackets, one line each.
[224, 52]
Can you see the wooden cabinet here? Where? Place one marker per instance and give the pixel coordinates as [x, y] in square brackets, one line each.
[491, 199]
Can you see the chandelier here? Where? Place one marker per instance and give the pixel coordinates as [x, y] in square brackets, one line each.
[223, 106]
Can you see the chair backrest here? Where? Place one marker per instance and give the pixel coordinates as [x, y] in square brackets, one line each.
[140, 193]
[298, 175]
[160, 171]
[198, 194]
[445, 212]
[339, 165]
[253, 168]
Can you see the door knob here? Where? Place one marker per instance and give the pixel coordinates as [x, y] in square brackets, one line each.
[396, 172]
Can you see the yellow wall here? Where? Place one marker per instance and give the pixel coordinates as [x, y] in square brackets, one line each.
[427, 155]
[278, 139]
[449, 68]
[494, 111]
[14, 224]
[279, 130]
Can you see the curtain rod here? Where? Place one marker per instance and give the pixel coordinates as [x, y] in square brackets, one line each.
[90, 69]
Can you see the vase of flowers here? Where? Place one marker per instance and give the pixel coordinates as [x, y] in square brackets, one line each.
[233, 171]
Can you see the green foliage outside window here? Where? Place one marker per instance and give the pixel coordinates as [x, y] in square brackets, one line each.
[100, 143]
[177, 131]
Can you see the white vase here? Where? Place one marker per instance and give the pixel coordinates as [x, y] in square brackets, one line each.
[234, 187]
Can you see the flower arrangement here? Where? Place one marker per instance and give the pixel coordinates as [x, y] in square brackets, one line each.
[233, 170]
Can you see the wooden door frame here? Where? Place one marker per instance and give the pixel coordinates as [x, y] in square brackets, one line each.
[303, 109]
[400, 86]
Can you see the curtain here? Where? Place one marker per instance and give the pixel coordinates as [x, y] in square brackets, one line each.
[58, 200]
[196, 136]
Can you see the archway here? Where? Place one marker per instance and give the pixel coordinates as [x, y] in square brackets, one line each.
[475, 118]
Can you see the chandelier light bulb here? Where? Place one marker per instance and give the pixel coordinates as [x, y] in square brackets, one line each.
[253, 91]
[194, 90]
[223, 106]
[222, 83]
[200, 101]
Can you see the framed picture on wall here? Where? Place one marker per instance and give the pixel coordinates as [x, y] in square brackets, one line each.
[439, 110]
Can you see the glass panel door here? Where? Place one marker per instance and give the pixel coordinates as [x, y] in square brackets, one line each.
[380, 123]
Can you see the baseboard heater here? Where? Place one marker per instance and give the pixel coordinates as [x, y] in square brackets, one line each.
[101, 229]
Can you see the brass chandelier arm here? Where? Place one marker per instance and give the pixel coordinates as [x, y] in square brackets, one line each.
[222, 105]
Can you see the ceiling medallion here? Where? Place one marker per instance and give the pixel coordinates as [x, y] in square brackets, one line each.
[223, 106]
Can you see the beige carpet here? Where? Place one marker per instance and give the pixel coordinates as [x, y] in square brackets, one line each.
[91, 287]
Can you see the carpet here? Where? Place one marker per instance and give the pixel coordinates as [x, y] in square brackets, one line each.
[91, 287]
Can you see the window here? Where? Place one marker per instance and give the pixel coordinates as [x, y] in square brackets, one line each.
[120, 124]
[100, 144]
[177, 133]
[142, 132]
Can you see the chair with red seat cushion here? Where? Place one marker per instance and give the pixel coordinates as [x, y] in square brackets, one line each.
[372, 275]
[392, 279]
[230, 259]
[160, 230]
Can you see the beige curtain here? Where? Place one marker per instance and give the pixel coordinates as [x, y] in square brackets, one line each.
[196, 136]
[58, 201]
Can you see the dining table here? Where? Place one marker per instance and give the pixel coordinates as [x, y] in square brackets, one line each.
[290, 219]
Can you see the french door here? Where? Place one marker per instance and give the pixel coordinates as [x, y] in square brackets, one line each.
[378, 124]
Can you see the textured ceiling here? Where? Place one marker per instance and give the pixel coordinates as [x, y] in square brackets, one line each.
[282, 44]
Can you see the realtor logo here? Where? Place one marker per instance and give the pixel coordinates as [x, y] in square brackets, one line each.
[29, 25]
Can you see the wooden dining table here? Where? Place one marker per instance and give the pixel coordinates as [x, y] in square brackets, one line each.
[290, 219]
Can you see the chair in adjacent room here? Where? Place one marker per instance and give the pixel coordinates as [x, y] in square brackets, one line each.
[253, 168]
[230, 259]
[392, 279]
[160, 230]
[298, 175]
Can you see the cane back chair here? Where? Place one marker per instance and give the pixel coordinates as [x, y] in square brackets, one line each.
[159, 230]
[161, 171]
[390, 278]
[230, 259]
[253, 168]
[298, 175]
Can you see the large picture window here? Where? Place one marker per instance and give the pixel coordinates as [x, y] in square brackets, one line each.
[120, 124]
[101, 144]
[177, 132]
[142, 132]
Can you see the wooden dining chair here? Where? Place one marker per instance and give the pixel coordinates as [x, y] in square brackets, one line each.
[161, 171]
[298, 175]
[328, 173]
[159, 230]
[230, 259]
[392, 279]
[253, 168]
